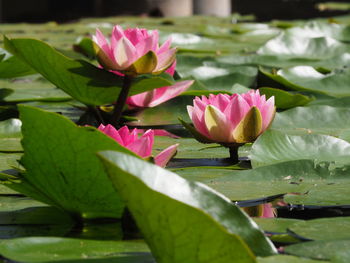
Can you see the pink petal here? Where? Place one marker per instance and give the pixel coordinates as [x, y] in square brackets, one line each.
[205, 100]
[142, 146]
[161, 132]
[140, 100]
[125, 53]
[197, 117]
[218, 125]
[166, 46]
[267, 113]
[189, 111]
[199, 103]
[127, 136]
[111, 132]
[171, 70]
[252, 97]
[117, 34]
[165, 59]
[144, 46]
[166, 93]
[149, 133]
[164, 157]
[268, 211]
[101, 41]
[155, 35]
[144, 32]
[220, 101]
[236, 110]
[135, 35]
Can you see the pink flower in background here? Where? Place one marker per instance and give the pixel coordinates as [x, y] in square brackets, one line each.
[136, 51]
[232, 119]
[263, 211]
[268, 211]
[133, 51]
[142, 146]
[155, 97]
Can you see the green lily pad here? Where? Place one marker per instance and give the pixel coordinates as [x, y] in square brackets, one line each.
[334, 102]
[77, 182]
[9, 160]
[12, 203]
[70, 109]
[323, 228]
[318, 29]
[10, 136]
[306, 78]
[284, 99]
[189, 42]
[291, 45]
[275, 147]
[190, 148]
[10, 128]
[313, 120]
[180, 204]
[286, 259]
[56, 249]
[215, 76]
[275, 61]
[6, 191]
[13, 67]
[31, 89]
[319, 196]
[323, 250]
[10, 145]
[276, 225]
[299, 178]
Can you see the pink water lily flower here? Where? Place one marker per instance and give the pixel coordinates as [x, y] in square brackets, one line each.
[232, 119]
[133, 51]
[155, 97]
[142, 146]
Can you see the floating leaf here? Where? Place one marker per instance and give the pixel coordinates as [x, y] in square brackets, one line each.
[313, 120]
[31, 89]
[324, 250]
[276, 225]
[284, 99]
[286, 259]
[13, 67]
[323, 228]
[275, 147]
[10, 135]
[52, 249]
[292, 45]
[10, 203]
[172, 213]
[299, 178]
[215, 76]
[306, 78]
[77, 183]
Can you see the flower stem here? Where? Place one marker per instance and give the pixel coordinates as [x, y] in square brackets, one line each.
[98, 115]
[123, 95]
[234, 154]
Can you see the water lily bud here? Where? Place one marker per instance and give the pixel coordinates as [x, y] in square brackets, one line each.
[142, 146]
[235, 119]
[133, 51]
